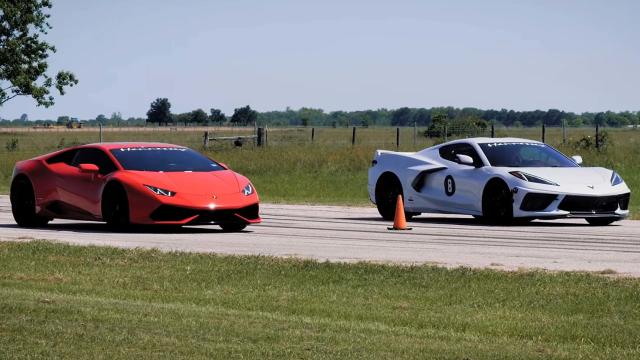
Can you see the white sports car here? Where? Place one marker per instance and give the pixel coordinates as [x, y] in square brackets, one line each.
[497, 179]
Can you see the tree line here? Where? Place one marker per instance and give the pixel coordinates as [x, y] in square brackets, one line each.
[160, 114]
[406, 116]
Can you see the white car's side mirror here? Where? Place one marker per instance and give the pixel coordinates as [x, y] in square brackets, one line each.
[465, 159]
[577, 159]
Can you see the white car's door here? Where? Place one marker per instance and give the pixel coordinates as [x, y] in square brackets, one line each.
[459, 187]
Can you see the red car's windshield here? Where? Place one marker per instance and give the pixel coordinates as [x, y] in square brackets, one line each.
[168, 159]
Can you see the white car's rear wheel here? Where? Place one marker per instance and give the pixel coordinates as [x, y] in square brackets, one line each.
[387, 190]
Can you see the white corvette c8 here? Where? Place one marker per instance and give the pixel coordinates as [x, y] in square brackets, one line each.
[497, 179]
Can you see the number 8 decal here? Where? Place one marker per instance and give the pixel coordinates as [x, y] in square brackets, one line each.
[449, 185]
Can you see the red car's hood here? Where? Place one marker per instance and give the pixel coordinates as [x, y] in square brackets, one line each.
[197, 183]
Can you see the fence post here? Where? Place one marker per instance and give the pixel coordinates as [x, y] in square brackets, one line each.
[597, 137]
[313, 133]
[205, 139]
[415, 133]
[260, 136]
[397, 138]
[353, 136]
[543, 132]
[100, 132]
[564, 133]
[493, 131]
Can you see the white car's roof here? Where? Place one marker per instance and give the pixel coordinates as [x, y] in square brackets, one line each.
[484, 140]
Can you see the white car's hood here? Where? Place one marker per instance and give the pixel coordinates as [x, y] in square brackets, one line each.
[569, 176]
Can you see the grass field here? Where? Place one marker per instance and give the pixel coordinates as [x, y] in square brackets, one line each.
[62, 301]
[327, 171]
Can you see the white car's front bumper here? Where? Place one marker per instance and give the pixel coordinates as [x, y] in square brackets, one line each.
[534, 203]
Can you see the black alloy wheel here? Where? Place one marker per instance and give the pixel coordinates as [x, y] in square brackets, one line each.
[497, 203]
[233, 226]
[23, 204]
[387, 190]
[601, 221]
[115, 207]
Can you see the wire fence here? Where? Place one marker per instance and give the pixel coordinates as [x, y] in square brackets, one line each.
[30, 141]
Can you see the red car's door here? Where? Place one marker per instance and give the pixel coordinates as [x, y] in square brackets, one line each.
[81, 189]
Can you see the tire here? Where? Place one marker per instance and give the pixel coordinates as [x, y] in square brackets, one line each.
[115, 206]
[233, 227]
[601, 221]
[497, 203]
[388, 188]
[23, 204]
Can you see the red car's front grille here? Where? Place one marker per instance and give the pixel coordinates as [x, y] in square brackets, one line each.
[177, 213]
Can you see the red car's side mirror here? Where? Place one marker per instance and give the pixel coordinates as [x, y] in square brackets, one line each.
[89, 168]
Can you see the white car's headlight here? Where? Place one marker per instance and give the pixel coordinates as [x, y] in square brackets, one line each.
[247, 190]
[616, 179]
[161, 192]
[531, 178]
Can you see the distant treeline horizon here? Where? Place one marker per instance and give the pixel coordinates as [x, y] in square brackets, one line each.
[403, 116]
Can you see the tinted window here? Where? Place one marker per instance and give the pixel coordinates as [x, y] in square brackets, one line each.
[449, 152]
[64, 157]
[96, 157]
[524, 154]
[169, 159]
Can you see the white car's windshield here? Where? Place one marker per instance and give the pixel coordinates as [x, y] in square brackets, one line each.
[524, 154]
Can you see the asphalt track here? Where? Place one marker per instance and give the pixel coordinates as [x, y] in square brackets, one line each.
[352, 234]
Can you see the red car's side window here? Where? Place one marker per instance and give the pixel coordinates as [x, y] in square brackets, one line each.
[96, 157]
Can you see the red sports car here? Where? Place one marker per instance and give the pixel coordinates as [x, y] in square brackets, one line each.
[132, 183]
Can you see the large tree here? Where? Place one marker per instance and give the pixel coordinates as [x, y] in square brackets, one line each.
[23, 54]
[160, 111]
[244, 116]
[217, 116]
[198, 116]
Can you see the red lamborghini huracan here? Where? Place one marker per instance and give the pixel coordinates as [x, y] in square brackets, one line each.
[132, 183]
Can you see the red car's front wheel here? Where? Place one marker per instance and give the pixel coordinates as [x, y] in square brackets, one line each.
[115, 206]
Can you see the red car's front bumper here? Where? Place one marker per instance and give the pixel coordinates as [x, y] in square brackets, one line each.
[182, 209]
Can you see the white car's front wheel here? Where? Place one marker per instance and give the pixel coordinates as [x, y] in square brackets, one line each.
[601, 221]
[497, 203]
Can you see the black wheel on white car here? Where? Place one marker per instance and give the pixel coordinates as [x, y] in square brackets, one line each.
[497, 203]
[388, 188]
[23, 204]
[601, 221]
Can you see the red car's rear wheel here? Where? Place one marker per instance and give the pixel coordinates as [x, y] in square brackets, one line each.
[23, 204]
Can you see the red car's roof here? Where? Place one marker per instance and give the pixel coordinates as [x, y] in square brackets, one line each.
[110, 146]
[117, 145]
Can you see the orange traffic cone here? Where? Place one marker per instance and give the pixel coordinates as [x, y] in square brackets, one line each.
[399, 220]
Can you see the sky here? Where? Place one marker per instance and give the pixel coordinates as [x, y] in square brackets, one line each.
[342, 55]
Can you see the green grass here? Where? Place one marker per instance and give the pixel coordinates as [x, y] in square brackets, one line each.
[62, 301]
[328, 171]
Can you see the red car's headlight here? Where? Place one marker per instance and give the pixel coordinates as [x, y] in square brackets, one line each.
[248, 190]
[161, 192]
